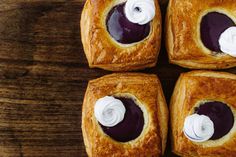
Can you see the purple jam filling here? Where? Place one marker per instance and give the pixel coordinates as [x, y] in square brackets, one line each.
[212, 25]
[220, 114]
[131, 126]
[122, 30]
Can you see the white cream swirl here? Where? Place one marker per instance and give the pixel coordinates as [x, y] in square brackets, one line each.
[140, 11]
[198, 128]
[109, 111]
[227, 41]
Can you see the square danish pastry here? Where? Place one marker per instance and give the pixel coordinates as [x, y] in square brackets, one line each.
[124, 115]
[120, 35]
[203, 111]
[201, 34]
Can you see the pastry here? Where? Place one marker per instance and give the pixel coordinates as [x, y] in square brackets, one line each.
[121, 35]
[203, 111]
[201, 34]
[124, 115]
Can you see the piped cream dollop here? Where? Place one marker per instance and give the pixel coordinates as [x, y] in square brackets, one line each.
[198, 128]
[109, 111]
[227, 41]
[140, 11]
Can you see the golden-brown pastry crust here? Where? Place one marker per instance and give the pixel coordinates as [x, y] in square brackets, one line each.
[147, 89]
[104, 52]
[192, 88]
[183, 42]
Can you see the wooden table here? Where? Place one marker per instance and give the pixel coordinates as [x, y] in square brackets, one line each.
[43, 77]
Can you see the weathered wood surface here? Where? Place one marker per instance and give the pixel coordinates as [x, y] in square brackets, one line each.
[43, 77]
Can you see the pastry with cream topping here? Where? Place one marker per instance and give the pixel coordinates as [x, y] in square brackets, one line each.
[202, 113]
[201, 34]
[125, 115]
[121, 35]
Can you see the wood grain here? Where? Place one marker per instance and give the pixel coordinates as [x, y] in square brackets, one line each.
[43, 77]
